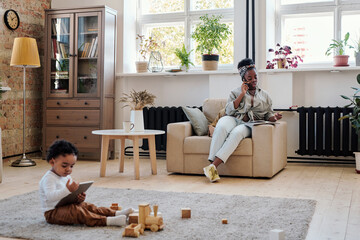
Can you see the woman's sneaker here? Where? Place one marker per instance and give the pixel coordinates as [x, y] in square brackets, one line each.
[211, 173]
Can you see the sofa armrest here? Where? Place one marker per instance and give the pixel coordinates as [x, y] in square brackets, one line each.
[176, 134]
[269, 149]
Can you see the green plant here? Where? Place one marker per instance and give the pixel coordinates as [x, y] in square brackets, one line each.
[138, 100]
[146, 45]
[357, 45]
[338, 46]
[184, 56]
[210, 33]
[354, 117]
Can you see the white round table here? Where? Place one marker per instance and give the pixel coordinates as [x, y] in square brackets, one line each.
[106, 135]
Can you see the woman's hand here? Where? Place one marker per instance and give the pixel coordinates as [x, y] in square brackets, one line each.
[244, 88]
[276, 117]
[81, 197]
[73, 186]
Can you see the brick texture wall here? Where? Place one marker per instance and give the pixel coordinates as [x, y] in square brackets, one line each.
[32, 20]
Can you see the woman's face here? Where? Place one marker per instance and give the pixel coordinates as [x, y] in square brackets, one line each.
[250, 78]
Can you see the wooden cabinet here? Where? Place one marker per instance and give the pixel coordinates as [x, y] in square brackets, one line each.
[79, 80]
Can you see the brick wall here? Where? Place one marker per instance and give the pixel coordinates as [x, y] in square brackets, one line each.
[32, 20]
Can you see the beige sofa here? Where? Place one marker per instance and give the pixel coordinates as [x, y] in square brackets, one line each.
[262, 155]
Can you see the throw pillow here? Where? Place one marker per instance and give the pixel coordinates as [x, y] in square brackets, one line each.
[197, 119]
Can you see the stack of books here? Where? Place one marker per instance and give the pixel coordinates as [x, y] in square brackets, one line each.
[90, 50]
[59, 49]
[60, 75]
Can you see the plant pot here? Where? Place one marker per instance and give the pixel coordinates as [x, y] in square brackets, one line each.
[357, 161]
[357, 59]
[341, 60]
[137, 118]
[210, 62]
[141, 66]
[281, 63]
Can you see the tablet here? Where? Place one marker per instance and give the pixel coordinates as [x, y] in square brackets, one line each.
[72, 197]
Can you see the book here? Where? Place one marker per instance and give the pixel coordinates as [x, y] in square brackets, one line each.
[72, 197]
[259, 122]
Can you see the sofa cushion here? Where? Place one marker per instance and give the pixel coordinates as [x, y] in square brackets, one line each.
[212, 107]
[197, 119]
[201, 145]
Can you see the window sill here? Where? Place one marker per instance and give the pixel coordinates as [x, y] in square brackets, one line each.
[311, 69]
[171, 74]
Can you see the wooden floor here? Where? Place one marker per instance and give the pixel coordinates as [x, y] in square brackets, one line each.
[335, 188]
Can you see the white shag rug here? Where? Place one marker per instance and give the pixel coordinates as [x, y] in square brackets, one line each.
[248, 217]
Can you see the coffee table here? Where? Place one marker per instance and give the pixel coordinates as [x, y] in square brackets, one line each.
[107, 135]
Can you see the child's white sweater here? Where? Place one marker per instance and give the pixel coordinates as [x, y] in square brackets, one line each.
[52, 189]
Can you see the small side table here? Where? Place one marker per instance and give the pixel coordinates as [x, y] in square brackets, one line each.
[106, 135]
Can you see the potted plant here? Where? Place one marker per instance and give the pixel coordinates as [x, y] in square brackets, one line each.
[340, 59]
[283, 58]
[137, 101]
[357, 51]
[146, 45]
[354, 117]
[209, 35]
[184, 57]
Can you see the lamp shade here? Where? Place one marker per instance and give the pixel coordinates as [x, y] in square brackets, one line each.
[25, 53]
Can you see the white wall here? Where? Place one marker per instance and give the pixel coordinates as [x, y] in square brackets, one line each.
[322, 88]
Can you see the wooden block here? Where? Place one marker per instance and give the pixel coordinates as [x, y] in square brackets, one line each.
[114, 206]
[224, 221]
[185, 212]
[133, 218]
[277, 234]
[132, 230]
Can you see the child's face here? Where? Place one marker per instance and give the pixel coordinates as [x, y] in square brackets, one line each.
[62, 165]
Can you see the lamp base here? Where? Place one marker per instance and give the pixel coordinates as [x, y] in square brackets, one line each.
[23, 162]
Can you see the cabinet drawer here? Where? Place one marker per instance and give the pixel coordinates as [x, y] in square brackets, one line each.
[81, 137]
[73, 103]
[73, 117]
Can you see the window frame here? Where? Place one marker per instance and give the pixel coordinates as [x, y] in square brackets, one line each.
[189, 17]
[336, 7]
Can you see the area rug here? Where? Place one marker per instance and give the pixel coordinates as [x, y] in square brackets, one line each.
[248, 217]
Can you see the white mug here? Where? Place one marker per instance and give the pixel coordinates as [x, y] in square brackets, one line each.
[128, 126]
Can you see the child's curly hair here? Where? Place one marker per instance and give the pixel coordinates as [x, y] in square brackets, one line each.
[61, 147]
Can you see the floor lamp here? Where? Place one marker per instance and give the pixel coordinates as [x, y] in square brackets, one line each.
[25, 54]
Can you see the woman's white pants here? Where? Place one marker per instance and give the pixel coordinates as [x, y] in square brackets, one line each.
[228, 133]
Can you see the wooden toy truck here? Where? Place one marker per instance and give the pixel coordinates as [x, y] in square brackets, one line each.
[144, 221]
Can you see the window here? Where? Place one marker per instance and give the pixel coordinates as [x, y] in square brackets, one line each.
[170, 23]
[308, 26]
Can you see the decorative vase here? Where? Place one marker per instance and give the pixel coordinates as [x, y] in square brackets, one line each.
[357, 58]
[141, 66]
[341, 61]
[155, 62]
[357, 161]
[184, 68]
[210, 62]
[137, 118]
[281, 63]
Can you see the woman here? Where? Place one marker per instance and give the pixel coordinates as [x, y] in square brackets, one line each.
[246, 103]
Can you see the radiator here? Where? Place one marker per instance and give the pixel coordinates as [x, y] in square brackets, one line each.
[321, 133]
[158, 118]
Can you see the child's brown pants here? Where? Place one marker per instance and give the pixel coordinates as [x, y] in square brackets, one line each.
[82, 213]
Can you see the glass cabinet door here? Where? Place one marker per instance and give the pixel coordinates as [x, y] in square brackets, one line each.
[60, 59]
[88, 38]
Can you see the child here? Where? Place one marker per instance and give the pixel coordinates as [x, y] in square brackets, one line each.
[57, 183]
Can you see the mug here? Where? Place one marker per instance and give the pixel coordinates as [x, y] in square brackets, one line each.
[128, 126]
